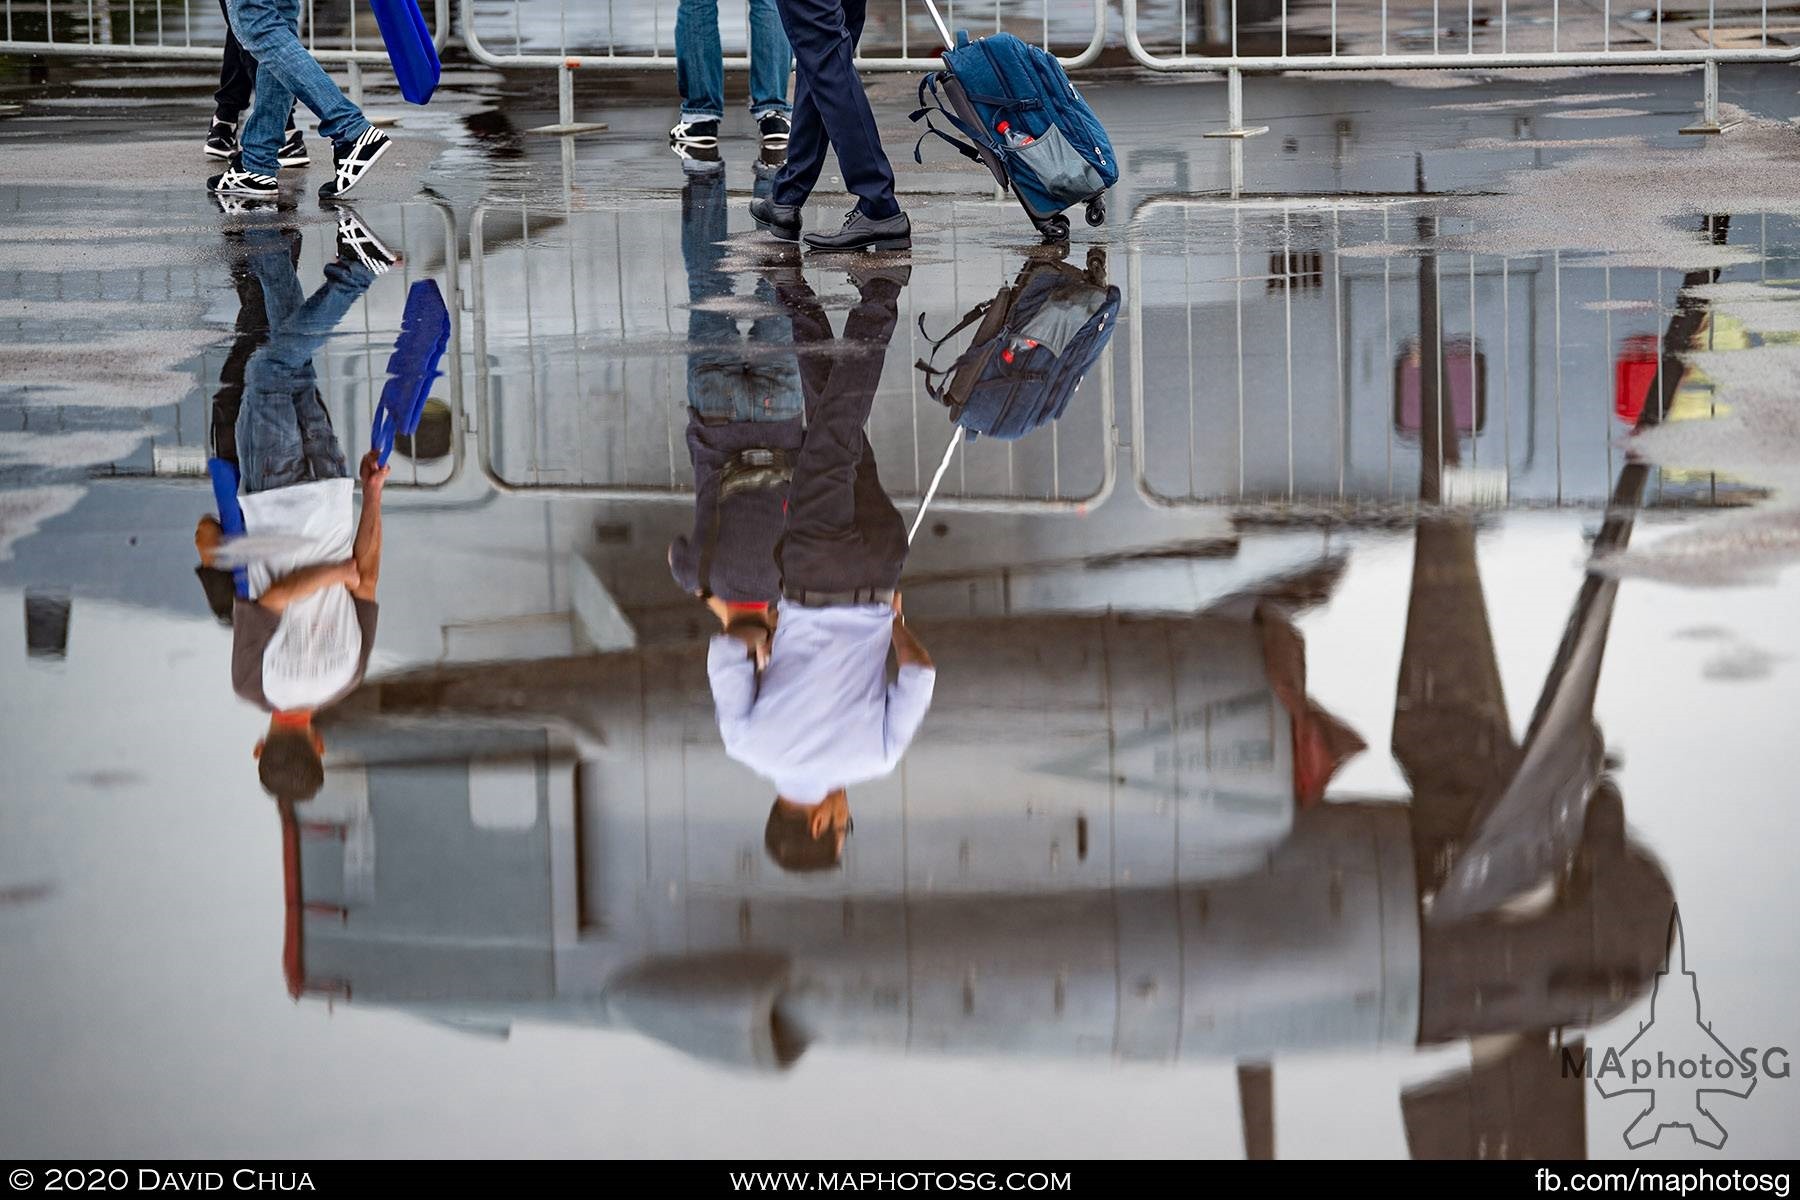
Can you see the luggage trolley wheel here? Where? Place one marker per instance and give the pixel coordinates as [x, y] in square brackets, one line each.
[1096, 211]
[1054, 229]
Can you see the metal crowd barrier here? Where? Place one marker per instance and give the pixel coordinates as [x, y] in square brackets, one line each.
[639, 35]
[1467, 43]
[581, 371]
[191, 29]
[1281, 374]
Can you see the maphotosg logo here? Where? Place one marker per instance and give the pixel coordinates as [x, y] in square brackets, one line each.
[1676, 1066]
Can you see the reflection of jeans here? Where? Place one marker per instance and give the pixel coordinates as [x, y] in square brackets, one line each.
[843, 532]
[285, 72]
[284, 434]
[727, 380]
[700, 60]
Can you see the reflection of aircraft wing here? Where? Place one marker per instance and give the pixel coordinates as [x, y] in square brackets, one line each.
[1520, 1105]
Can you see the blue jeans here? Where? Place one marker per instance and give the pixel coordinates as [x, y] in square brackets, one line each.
[284, 434]
[700, 61]
[728, 380]
[285, 72]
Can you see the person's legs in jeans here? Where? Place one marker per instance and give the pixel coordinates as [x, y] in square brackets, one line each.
[324, 456]
[699, 61]
[269, 449]
[279, 377]
[824, 35]
[771, 60]
[297, 332]
[286, 72]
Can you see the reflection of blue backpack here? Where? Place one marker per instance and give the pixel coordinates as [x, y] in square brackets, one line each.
[1036, 341]
[1026, 123]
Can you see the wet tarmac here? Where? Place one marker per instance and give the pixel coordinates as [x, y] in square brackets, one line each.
[1344, 689]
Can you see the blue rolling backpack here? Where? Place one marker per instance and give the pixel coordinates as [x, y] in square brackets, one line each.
[1024, 121]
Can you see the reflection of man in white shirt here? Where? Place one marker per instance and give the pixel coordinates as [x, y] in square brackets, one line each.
[801, 690]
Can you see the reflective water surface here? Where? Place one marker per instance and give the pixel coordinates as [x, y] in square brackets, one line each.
[1349, 619]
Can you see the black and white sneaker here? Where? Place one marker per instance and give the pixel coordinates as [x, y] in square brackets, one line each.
[699, 160]
[701, 132]
[221, 139]
[775, 129]
[238, 206]
[356, 242]
[238, 182]
[293, 150]
[353, 161]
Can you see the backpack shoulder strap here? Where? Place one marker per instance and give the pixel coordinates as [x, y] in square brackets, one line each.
[935, 106]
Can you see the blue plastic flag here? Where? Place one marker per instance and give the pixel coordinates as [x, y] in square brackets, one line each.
[424, 335]
[409, 47]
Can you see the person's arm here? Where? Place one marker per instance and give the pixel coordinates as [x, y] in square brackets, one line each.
[909, 695]
[367, 552]
[208, 536]
[909, 650]
[304, 582]
[731, 670]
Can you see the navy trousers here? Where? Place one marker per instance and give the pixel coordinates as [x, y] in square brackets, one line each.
[843, 532]
[831, 108]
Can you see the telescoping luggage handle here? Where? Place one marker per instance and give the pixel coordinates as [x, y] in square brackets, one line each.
[943, 29]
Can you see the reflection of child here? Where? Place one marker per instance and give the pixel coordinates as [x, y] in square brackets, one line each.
[304, 624]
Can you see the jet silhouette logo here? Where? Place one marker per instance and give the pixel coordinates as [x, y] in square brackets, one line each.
[1675, 1065]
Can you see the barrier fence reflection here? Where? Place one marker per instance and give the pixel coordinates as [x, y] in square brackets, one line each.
[582, 339]
[1288, 372]
[351, 366]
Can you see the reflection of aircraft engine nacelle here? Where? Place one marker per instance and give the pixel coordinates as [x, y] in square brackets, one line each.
[1092, 849]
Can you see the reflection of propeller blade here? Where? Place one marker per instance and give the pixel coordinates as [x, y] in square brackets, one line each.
[1256, 1105]
[1451, 735]
[1532, 830]
[1518, 1105]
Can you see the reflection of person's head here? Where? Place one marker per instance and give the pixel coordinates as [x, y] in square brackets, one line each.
[808, 837]
[287, 758]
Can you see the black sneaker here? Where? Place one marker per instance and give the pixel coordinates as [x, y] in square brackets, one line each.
[354, 160]
[699, 160]
[293, 150]
[238, 182]
[356, 242]
[775, 129]
[702, 132]
[237, 206]
[221, 139]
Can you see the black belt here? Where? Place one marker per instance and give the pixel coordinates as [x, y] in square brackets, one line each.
[753, 470]
[807, 599]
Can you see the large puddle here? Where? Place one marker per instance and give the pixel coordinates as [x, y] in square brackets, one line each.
[1305, 730]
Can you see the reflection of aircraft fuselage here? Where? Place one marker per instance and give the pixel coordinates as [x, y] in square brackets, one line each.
[1092, 849]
